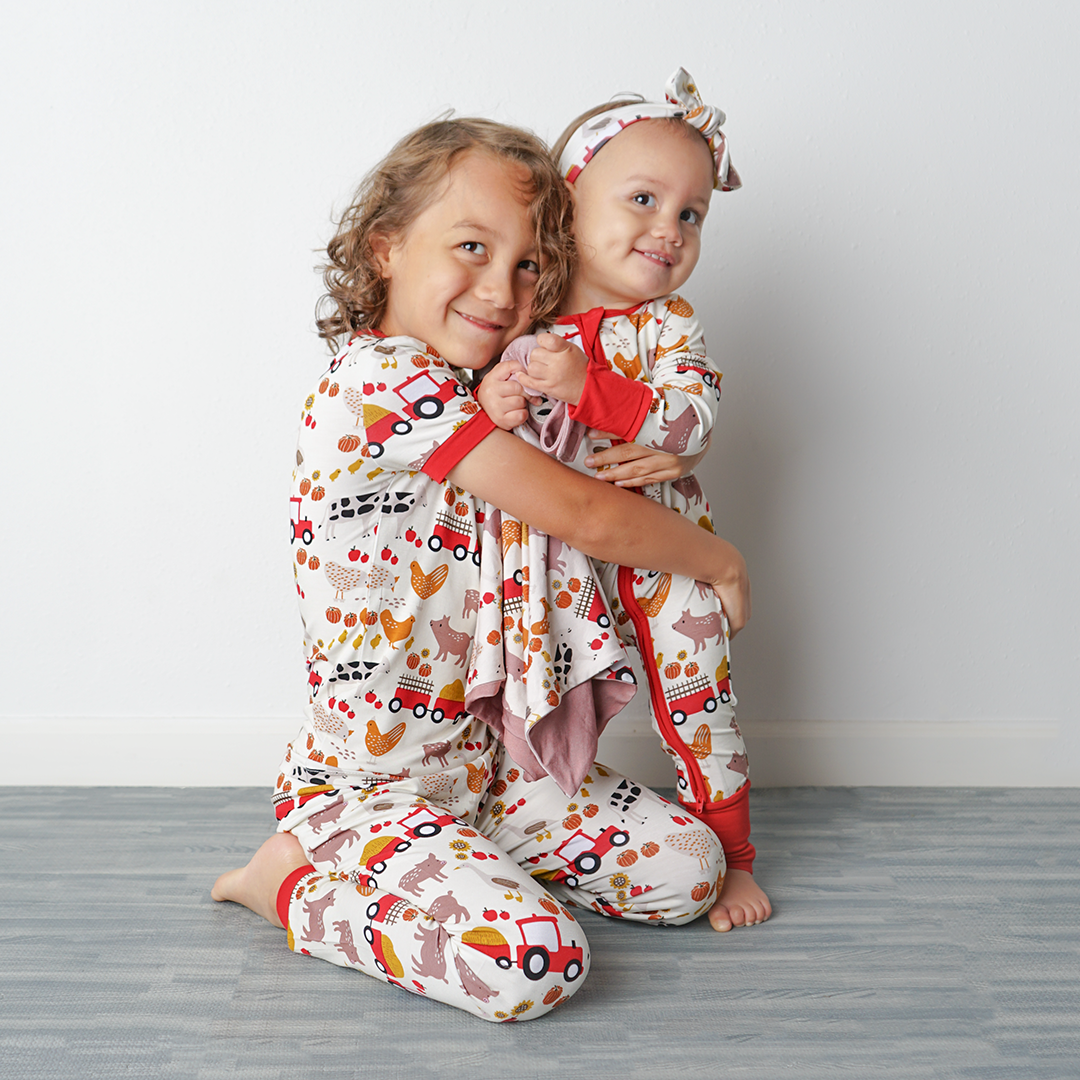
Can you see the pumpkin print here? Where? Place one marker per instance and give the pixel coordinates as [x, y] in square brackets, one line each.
[692, 668]
[673, 669]
[419, 361]
[313, 562]
[627, 858]
[333, 615]
[333, 391]
[301, 556]
[574, 584]
[549, 905]
[467, 832]
[498, 788]
[552, 698]
[305, 486]
[348, 443]
[649, 848]
[700, 890]
[461, 509]
[449, 497]
[591, 810]
[371, 618]
[323, 385]
[571, 822]
[494, 637]
[469, 407]
[409, 914]
[555, 992]
[413, 661]
[564, 599]
[318, 493]
[425, 670]
[350, 619]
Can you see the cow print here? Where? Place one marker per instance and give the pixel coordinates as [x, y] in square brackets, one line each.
[624, 797]
[355, 670]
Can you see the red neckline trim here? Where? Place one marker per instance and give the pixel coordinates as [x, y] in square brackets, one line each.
[608, 313]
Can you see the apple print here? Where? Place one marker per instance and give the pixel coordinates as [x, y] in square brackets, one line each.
[354, 554]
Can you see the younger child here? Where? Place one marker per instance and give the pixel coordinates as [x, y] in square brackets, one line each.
[410, 845]
[630, 360]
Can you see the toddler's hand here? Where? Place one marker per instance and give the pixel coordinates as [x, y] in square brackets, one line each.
[502, 397]
[630, 465]
[556, 369]
[742, 902]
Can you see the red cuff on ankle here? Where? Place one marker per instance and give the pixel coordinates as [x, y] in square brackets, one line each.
[284, 893]
[730, 820]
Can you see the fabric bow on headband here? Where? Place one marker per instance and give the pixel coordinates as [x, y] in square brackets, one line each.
[683, 103]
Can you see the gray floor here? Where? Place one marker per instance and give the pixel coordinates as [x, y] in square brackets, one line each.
[918, 933]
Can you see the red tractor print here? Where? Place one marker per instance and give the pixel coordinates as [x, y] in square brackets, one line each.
[379, 425]
[414, 694]
[454, 532]
[590, 606]
[693, 696]
[377, 852]
[425, 397]
[541, 950]
[299, 528]
[423, 821]
[584, 853]
[385, 911]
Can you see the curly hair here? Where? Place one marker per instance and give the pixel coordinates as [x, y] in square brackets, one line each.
[401, 186]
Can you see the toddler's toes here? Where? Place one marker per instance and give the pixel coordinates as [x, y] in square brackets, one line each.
[720, 918]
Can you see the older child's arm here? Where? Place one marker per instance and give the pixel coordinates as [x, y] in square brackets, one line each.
[602, 520]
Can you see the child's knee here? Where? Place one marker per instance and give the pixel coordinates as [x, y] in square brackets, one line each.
[534, 975]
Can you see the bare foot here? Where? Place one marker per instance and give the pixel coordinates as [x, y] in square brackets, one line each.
[741, 902]
[256, 885]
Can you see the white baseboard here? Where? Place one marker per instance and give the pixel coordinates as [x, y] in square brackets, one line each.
[157, 752]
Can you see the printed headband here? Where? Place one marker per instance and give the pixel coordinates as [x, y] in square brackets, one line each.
[683, 103]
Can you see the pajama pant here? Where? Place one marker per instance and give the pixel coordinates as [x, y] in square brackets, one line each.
[475, 911]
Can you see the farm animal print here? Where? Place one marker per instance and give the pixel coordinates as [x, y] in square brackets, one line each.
[676, 624]
[476, 910]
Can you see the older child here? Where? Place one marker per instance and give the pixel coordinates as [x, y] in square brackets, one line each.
[630, 360]
[410, 845]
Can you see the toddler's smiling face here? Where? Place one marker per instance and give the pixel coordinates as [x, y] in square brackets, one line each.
[638, 211]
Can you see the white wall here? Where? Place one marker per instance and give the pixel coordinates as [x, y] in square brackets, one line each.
[893, 295]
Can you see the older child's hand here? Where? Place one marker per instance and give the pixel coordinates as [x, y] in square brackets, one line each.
[732, 586]
[630, 465]
[556, 369]
[742, 902]
[501, 396]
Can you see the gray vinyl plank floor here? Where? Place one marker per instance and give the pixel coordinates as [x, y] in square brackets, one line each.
[917, 933]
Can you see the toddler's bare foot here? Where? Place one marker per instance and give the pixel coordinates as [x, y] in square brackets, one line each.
[256, 885]
[741, 902]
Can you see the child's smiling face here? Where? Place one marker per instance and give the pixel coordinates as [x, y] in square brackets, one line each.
[461, 277]
[638, 211]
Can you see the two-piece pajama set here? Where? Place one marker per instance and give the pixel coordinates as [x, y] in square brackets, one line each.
[434, 863]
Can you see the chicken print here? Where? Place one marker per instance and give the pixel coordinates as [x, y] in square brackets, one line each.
[476, 777]
[651, 605]
[378, 743]
[352, 578]
[425, 585]
[396, 631]
[694, 843]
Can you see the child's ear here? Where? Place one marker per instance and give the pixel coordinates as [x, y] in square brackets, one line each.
[381, 247]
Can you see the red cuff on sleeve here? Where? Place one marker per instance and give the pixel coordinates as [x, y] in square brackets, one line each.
[612, 403]
[730, 820]
[284, 893]
[467, 437]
